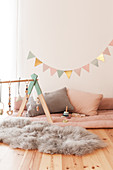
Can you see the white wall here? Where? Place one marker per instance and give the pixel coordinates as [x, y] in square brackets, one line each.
[66, 35]
[8, 39]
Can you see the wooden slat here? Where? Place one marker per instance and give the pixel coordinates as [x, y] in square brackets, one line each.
[103, 161]
[109, 133]
[46, 110]
[10, 159]
[21, 110]
[46, 162]
[57, 162]
[68, 163]
[91, 161]
[77, 162]
[15, 81]
[27, 160]
[37, 160]
[108, 152]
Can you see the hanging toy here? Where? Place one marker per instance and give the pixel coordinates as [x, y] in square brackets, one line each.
[9, 112]
[19, 96]
[66, 113]
[1, 104]
[65, 121]
[27, 96]
[37, 102]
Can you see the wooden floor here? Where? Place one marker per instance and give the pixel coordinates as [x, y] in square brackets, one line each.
[17, 159]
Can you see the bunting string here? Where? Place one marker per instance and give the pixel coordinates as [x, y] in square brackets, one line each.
[68, 73]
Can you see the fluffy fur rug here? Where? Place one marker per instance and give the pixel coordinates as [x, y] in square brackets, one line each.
[22, 133]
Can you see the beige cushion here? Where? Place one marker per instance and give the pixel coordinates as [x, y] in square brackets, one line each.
[84, 102]
[106, 104]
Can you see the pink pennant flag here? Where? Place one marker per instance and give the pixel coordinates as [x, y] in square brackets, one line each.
[52, 71]
[111, 43]
[86, 67]
[45, 67]
[106, 51]
[78, 71]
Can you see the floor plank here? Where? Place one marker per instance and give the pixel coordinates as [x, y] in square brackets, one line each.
[108, 151]
[10, 158]
[77, 161]
[67, 162]
[46, 162]
[37, 160]
[91, 161]
[28, 160]
[57, 162]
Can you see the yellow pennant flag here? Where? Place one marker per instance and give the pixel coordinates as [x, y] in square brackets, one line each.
[100, 57]
[37, 62]
[68, 73]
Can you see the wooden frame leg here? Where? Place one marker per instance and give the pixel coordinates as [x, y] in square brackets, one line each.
[21, 110]
[46, 110]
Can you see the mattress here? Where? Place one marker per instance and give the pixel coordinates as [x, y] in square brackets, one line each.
[104, 119]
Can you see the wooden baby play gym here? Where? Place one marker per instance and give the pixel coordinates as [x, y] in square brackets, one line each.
[33, 82]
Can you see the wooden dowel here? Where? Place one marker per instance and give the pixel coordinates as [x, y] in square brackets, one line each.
[66, 108]
[14, 81]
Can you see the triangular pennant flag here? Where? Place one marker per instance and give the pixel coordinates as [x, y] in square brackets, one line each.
[30, 55]
[95, 62]
[106, 51]
[111, 43]
[86, 67]
[100, 57]
[68, 73]
[45, 67]
[52, 71]
[37, 62]
[78, 71]
[60, 72]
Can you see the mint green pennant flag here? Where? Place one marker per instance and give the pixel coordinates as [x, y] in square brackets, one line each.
[30, 55]
[95, 62]
[60, 72]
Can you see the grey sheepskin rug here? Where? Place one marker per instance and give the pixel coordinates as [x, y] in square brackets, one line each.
[22, 133]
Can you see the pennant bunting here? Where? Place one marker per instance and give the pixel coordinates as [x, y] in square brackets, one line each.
[37, 62]
[60, 72]
[86, 67]
[68, 73]
[106, 51]
[100, 57]
[45, 67]
[31, 55]
[111, 43]
[95, 62]
[52, 71]
[78, 71]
